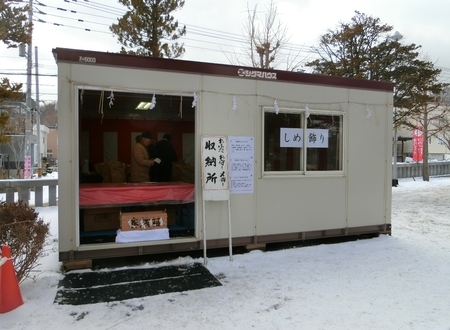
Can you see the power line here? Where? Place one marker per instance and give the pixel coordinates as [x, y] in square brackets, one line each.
[69, 18]
[69, 26]
[208, 36]
[104, 9]
[94, 5]
[191, 29]
[111, 10]
[25, 74]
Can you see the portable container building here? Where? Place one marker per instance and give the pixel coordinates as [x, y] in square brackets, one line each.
[263, 155]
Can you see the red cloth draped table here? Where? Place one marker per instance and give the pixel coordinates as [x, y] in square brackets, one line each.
[144, 193]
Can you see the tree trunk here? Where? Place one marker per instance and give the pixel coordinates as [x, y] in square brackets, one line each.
[426, 175]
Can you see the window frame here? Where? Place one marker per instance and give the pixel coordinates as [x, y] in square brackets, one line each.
[303, 172]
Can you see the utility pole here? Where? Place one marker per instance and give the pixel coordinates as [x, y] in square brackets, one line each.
[27, 153]
[38, 116]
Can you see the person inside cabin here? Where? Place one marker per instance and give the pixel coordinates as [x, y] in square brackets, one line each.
[166, 152]
[140, 160]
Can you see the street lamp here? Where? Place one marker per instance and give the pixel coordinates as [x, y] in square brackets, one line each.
[396, 37]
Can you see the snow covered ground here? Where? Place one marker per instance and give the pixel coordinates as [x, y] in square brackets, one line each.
[390, 282]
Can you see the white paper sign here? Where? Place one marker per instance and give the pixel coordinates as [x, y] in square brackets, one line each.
[241, 164]
[215, 168]
[317, 138]
[293, 138]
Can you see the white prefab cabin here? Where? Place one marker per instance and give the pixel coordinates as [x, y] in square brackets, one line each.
[264, 156]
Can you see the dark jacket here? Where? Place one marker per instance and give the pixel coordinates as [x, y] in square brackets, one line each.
[154, 169]
[166, 152]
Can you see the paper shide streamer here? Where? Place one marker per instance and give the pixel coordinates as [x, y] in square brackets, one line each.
[153, 103]
[111, 99]
[369, 113]
[276, 107]
[234, 103]
[194, 102]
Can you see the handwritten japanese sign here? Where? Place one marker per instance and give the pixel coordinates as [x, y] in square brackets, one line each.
[215, 165]
[293, 138]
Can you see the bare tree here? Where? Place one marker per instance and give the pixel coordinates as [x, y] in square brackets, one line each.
[265, 40]
[17, 147]
[444, 121]
[14, 132]
[49, 114]
[266, 43]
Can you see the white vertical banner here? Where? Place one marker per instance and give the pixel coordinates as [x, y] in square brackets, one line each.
[215, 178]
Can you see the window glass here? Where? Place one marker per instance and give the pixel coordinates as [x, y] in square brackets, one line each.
[277, 158]
[285, 137]
[326, 154]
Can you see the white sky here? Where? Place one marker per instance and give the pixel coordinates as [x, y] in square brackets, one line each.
[214, 29]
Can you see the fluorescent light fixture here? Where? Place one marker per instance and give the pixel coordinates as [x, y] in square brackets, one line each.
[144, 106]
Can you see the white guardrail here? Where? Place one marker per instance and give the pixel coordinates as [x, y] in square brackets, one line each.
[29, 189]
[415, 170]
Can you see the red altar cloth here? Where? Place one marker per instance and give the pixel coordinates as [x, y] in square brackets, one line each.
[121, 194]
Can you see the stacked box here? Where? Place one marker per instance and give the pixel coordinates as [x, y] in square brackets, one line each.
[143, 220]
[101, 219]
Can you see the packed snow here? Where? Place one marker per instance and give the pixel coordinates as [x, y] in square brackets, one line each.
[389, 282]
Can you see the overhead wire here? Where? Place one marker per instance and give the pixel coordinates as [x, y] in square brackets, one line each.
[191, 29]
[200, 38]
[67, 11]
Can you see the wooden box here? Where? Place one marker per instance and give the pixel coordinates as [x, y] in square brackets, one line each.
[170, 209]
[143, 220]
[101, 219]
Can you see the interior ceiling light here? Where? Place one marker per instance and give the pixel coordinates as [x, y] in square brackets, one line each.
[144, 106]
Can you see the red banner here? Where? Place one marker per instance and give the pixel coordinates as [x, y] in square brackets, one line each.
[417, 144]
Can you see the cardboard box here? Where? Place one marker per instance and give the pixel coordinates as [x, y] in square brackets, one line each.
[171, 215]
[143, 220]
[101, 219]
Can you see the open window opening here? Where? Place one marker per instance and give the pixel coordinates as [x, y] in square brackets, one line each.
[110, 125]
